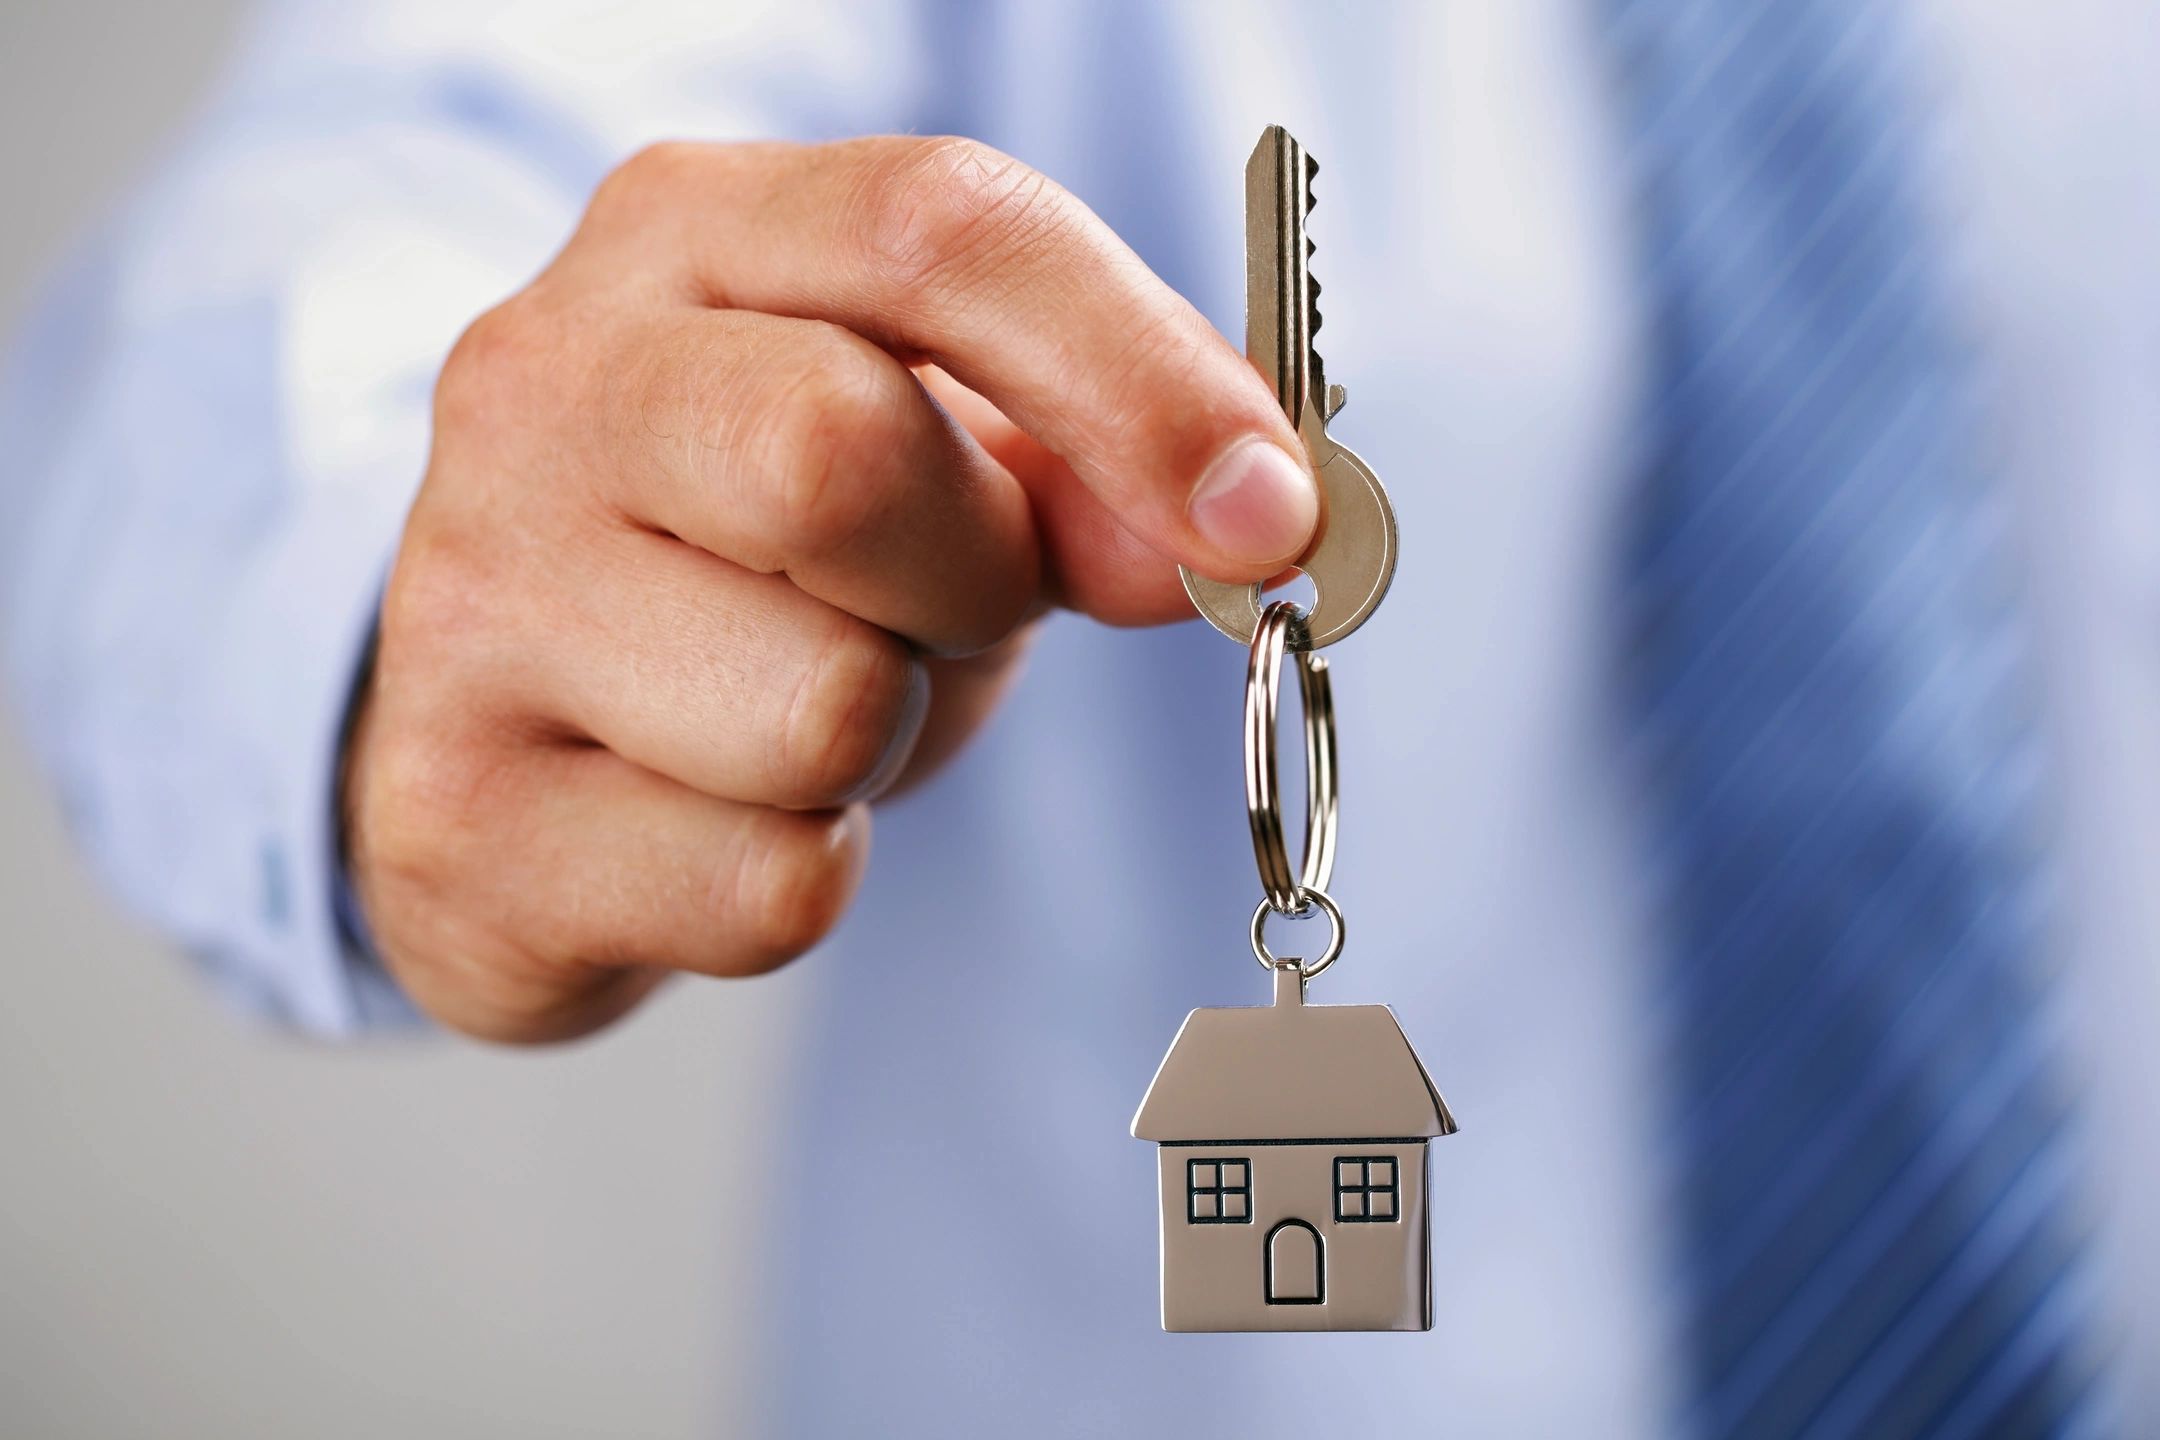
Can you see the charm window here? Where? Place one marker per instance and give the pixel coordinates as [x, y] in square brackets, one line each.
[1218, 1192]
[1366, 1190]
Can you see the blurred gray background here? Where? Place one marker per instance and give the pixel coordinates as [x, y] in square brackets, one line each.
[212, 1231]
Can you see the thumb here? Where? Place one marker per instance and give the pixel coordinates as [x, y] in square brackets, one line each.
[1184, 443]
[1093, 560]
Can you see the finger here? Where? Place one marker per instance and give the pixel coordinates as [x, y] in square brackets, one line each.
[733, 683]
[635, 870]
[621, 869]
[963, 694]
[949, 250]
[591, 879]
[1091, 562]
[797, 447]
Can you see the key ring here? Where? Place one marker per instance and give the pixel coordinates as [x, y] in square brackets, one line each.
[1270, 961]
[1282, 627]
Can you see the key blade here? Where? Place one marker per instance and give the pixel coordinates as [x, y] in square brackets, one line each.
[1279, 312]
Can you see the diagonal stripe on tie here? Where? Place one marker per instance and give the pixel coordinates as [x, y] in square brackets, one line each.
[1875, 1155]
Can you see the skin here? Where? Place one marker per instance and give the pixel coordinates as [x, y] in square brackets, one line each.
[736, 519]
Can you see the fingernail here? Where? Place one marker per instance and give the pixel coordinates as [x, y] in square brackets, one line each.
[1255, 503]
[901, 747]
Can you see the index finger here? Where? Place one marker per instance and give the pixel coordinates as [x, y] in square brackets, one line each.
[948, 250]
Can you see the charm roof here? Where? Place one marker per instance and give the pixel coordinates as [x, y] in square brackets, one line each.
[1291, 1071]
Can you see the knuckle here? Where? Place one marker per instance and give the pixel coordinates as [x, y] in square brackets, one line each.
[487, 369]
[418, 803]
[935, 207]
[647, 178]
[424, 789]
[1148, 382]
[835, 414]
[806, 877]
[846, 714]
[438, 597]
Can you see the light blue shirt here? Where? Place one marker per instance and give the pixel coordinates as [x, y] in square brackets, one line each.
[215, 421]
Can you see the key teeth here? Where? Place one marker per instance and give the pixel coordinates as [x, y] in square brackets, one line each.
[1323, 393]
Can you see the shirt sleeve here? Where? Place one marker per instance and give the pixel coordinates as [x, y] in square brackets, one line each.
[213, 423]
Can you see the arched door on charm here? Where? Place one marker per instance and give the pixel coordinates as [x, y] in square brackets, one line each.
[1295, 1263]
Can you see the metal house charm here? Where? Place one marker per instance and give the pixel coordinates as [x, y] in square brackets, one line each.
[1291, 1144]
[1291, 1138]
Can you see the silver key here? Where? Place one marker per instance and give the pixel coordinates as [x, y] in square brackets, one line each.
[1352, 557]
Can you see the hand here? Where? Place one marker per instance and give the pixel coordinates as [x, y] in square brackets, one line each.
[735, 519]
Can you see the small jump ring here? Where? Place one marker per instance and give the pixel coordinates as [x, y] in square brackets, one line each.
[1282, 627]
[1267, 957]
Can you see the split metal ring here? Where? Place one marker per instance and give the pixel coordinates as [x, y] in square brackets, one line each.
[1282, 627]
[1268, 959]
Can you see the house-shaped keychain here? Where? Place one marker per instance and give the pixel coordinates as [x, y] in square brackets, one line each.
[1291, 1147]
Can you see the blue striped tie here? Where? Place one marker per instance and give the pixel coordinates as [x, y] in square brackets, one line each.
[1873, 1161]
